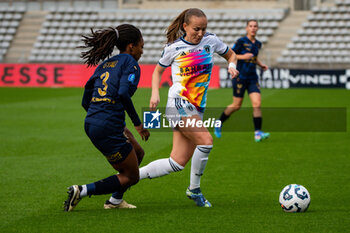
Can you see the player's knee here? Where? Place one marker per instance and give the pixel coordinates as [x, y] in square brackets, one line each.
[256, 104]
[133, 179]
[236, 107]
[209, 141]
[205, 139]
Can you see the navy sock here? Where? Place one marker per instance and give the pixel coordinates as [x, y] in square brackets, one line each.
[90, 189]
[257, 123]
[223, 117]
[108, 185]
[119, 194]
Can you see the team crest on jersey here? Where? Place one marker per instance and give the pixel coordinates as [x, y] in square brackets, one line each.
[207, 48]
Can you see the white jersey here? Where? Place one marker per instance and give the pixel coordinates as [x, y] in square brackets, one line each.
[191, 66]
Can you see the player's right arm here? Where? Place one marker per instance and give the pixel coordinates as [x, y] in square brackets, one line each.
[238, 48]
[88, 90]
[156, 77]
[245, 56]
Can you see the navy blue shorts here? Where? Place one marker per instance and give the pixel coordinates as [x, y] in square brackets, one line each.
[111, 142]
[240, 85]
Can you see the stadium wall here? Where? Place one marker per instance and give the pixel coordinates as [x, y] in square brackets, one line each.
[73, 75]
[296, 78]
[76, 75]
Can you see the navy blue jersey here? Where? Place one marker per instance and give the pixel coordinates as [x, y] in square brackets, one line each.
[109, 90]
[247, 68]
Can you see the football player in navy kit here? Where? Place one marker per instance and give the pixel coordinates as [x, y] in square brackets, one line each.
[247, 49]
[106, 97]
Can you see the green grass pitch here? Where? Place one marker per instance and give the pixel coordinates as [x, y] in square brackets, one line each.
[44, 149]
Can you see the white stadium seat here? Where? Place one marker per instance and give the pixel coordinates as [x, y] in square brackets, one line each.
[69, 24]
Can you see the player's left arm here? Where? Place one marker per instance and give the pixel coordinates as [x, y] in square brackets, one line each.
[123, 92]
[231, 58]
[262, 65]
[258, 62]
[129, 107]
[125, 98]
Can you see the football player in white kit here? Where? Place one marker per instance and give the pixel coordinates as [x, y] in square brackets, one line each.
[189, 52]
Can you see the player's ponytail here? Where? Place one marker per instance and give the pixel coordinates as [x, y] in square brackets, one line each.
[175, 29]
[101, 43]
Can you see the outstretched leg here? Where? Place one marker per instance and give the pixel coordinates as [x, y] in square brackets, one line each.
[181, 153]
[128, 176]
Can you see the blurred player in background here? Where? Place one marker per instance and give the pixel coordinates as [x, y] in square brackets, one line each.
[247, 49]
[106, 98]
[189, 52]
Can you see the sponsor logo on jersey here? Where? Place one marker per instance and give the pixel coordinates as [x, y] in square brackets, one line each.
[111, 64]
[182, 47]
[131, 78]
[194, 50]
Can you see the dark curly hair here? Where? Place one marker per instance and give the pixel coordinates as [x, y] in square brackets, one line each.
[100, 43]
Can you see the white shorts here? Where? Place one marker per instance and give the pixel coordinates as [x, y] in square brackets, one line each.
[177, 108]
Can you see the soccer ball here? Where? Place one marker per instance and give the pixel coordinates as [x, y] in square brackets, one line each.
[294, 198]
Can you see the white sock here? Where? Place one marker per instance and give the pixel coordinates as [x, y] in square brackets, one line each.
[199, 161]
[160, 167]
[115, 201]
[83, 192]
